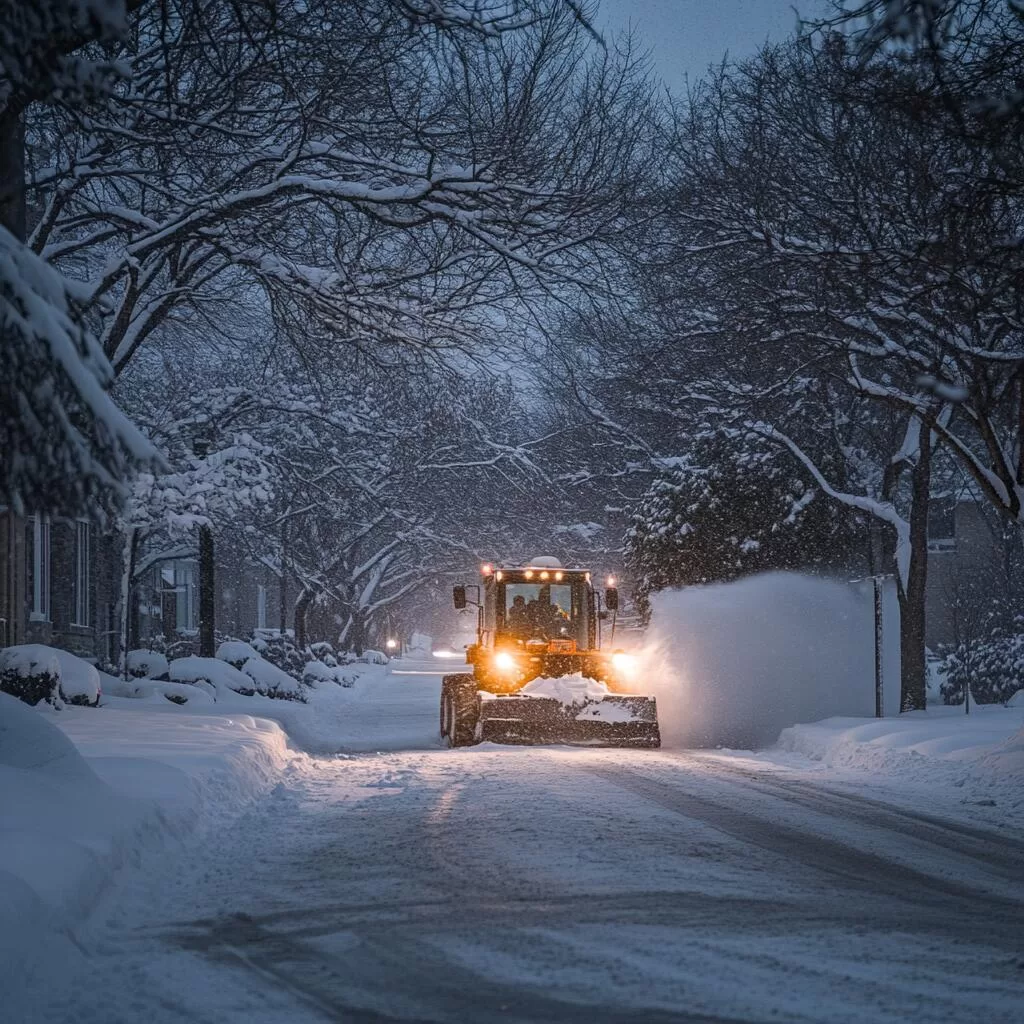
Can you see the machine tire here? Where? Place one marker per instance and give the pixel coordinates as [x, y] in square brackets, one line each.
[460, 709]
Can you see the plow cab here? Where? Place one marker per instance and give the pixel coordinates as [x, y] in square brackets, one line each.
[538, 672]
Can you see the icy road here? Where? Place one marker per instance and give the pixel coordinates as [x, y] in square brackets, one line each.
[553, 884]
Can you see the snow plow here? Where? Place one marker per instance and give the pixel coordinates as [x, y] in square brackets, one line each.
[538, 671]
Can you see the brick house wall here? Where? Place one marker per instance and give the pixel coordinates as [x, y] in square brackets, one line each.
[78, 589]
[969, 565]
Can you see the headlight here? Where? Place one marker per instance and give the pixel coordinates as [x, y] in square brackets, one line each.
[504, 662]
[624, 664]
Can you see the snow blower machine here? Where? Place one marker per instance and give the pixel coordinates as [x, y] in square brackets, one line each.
[539, 672]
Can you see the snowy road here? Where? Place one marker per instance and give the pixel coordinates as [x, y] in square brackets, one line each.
[554, 884]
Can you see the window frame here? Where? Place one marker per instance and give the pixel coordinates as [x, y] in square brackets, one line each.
[81, 608]
[39, 597]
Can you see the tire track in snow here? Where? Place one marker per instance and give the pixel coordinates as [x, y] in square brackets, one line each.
[1003, 853]
[868, 873]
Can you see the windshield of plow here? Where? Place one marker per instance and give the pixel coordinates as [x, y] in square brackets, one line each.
[545, 611]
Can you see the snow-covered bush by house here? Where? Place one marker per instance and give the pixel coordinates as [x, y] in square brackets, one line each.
[324, 652]
[212, 673]
[35, 672]
[280, 650]
[147, 665]
[272, 681]
[236, 652]
[372, 657]
[79, 680]
[993, 668]
[320, 672]
[30, 672]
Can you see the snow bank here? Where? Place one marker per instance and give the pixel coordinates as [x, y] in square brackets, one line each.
[984, 749]
[85, 792]
[574, 689]
[732, 664]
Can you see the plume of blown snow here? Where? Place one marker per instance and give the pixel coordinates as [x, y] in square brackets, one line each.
[733, 664]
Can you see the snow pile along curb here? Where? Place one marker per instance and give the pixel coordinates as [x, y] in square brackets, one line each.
[983, 751]
[84, 792]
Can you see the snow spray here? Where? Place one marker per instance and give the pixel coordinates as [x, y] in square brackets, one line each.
[732, 664]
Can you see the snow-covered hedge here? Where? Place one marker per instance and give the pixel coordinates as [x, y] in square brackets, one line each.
[323, 651]
[272, 681]
[993, 668]
[236, 652]
[79, 680]
[280, 650]
[147, 665]
[30, 672]
[212, 673]
[35, 672]
[321, 672]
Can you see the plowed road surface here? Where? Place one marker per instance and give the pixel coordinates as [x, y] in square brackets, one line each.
[553, 884]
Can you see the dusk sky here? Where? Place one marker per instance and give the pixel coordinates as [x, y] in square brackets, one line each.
[685, 36]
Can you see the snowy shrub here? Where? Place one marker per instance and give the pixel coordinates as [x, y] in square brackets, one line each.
[324, 652]
[321, 672]
[236, 652]
[993, 668]
[31, 672]
[272, 681]
[147, 665]
[212, 672]
[280, 650]
[79, 680]
[174, 647]
[372, 657]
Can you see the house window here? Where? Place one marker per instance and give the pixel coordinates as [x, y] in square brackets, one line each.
[178, 581]
[261, 606]
[37, 542]
[941, 525]
[80, 608]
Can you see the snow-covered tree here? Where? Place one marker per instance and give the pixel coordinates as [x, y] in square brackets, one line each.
[66, 446]
[731, 506]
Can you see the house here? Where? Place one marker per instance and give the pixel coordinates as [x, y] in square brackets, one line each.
[165, 597]
[60, 582]
[57, 585]
[975, 566]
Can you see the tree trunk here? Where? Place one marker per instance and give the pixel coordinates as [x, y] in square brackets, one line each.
[207, 605]
[358, 634]
[284, 581]
[301, 607]
[12, 173]
[128, 555]
[912, 595]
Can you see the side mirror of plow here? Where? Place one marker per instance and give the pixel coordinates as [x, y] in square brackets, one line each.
[459, 597]
[611, 599]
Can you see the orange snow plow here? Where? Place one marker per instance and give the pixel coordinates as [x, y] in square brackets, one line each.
[539, 673]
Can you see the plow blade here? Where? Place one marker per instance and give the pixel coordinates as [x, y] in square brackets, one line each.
[618, 720]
